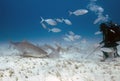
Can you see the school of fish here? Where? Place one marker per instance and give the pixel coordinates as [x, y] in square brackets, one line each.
[53, 22]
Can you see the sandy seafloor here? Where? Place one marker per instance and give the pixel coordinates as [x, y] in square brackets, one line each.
[70, 66]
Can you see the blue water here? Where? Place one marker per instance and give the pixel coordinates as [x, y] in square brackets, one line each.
[20, 19]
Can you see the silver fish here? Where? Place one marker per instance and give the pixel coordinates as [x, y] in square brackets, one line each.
[44, 26]
[78, 12]
[98, 32]
[66, 39]
[55, 30]
[49, 21]
[59, 20]
[28, 49]
[77, 37]
[71, 33]
[71, 36]
[101, 18]
[67, 21]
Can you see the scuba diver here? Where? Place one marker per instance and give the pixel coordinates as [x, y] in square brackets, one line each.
[111, 35]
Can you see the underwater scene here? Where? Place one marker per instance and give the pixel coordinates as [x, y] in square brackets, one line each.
[59, 40]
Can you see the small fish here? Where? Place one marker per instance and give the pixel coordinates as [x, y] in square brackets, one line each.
[79, 12]
[49, 21]
[71, 33]
[59, 20]
[101, 18]
[68, 22]
[77, 37]
[66, 39]
[70, 37]
[55, 30]
[98, 32]
[44, 26]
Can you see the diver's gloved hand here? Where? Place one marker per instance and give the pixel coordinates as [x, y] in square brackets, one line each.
[118, 42]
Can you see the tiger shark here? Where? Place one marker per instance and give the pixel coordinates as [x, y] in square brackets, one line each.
[28, 49]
